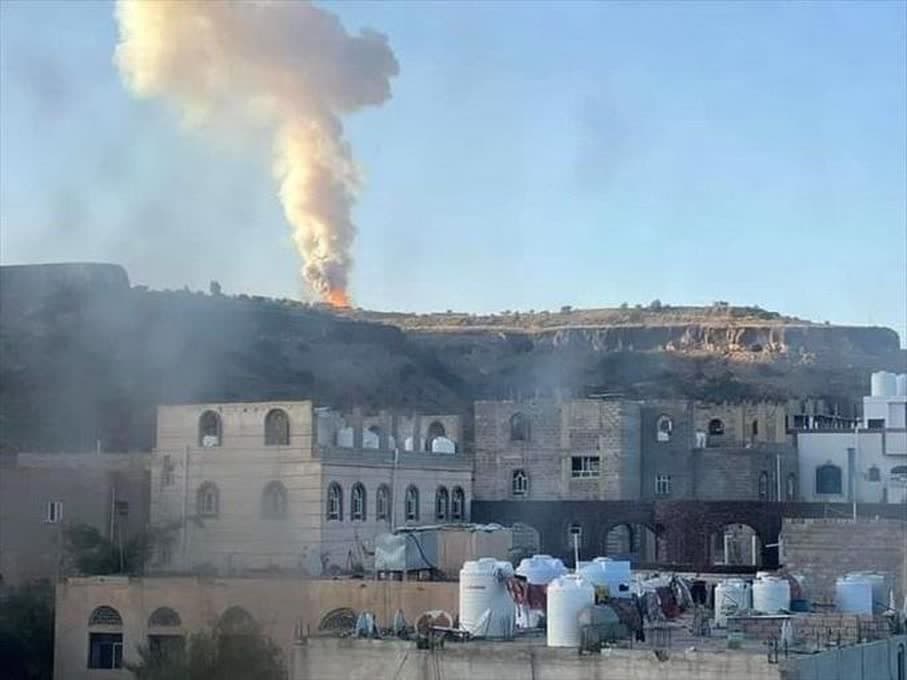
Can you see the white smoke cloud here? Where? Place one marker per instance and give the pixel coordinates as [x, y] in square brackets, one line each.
[291, 64]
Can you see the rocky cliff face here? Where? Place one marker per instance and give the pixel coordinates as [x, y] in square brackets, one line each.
[85, 358]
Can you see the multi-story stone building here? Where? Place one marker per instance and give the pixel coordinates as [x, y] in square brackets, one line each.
[283, 485]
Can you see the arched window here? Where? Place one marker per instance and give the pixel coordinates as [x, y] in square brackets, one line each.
[209, 429]
[237, 621]
[277, 428]
[334, 502]
[664, 426]
[207, 500]
[763, 485]
[436, 429]
[519, 483]
[442, 504]
[411, 504]
[716, 426]
[519, 428]
[458, 504]
[357, 502]
[791, 486]
[274, 501]
[164, 617]
[754, 429]
[105, 616]
[105, 638]
[383, 502]
[873, 474]
[828, 479]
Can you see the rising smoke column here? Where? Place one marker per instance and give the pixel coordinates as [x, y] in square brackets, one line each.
[289, 63]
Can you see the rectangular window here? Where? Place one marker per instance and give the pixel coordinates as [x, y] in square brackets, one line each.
[105, 650]
[167, 477]
[876, 423]
[663, 485]
[585, 466]
[54, 512]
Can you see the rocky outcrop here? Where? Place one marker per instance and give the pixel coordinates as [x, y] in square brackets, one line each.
[85, 358]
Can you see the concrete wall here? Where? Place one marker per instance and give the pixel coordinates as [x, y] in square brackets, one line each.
[824, 549]
[30, 546]
[870, 661]
[351, 659]
[279, 605]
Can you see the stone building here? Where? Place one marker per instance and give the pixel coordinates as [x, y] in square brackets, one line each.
[40, 494]
[286, 486]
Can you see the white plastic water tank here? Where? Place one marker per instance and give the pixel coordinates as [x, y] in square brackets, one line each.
[771, 594]
[540, 570]
[443, 445]
[853, 595]
[732, 595]
[486, 608]
[883, 384]
[345, 437]
[901, 383]
[370, 440]
[880, 585]
[568, 595]
[614, 574]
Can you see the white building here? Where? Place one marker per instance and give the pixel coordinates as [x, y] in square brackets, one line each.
[252, 487]
[867, 464]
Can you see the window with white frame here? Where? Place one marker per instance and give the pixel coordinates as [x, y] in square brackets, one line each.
[662, 485]
[585, 466]
[357, 502]
[383, 502]
[519, 483]
[412, 504]
[54, 513]
[458, 504]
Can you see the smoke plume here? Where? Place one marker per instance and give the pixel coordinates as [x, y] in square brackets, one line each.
[290, 64]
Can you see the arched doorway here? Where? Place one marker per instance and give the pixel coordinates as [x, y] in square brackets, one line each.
[735, 544]
[634, 542]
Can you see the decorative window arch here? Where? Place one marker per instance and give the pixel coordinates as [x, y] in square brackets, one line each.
[334, 509]
[716, 426]
[664, 427]
[105, 616]
[519, 483]
[383, 502]
[210, 429]
[442, 504]
[763, 485]
[274, 501]
[357, 503]
[411, 504]
[207, 500]
[164, 617]
[519, 428]
[791, 486]
[828, 479]
[237, 621]
[277, 428]
[458, 504]
[436, 429]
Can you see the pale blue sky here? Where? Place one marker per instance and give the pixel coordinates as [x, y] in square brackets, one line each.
[533, 155]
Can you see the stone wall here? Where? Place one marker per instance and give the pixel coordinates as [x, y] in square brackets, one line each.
[816, 629]
[824, 549]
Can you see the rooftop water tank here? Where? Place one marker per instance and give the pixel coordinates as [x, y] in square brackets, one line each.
[883, 384]
[568, 595]
[443, 445]
[540, 569]
[486, 608]
[880, 586]
[771, 594]
[901, 383]
[345, 437]
[853, 595]
[732, 596]
[369, 440]
[613, 574]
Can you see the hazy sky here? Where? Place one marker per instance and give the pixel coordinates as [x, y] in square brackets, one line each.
[533, 155]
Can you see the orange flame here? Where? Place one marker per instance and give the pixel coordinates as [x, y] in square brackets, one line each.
[338, 298]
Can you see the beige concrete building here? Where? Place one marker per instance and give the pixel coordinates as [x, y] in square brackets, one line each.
[40, 494]
[285, 486]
